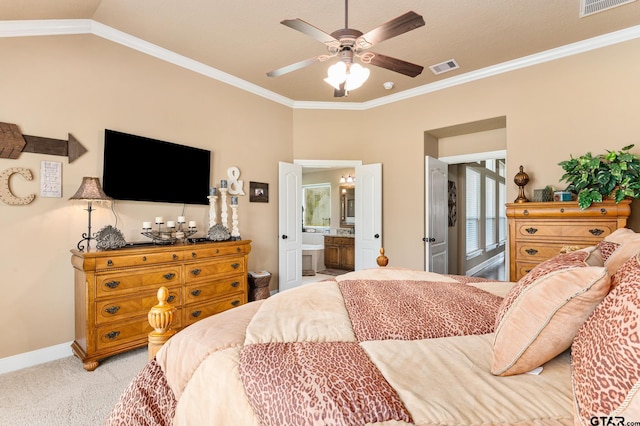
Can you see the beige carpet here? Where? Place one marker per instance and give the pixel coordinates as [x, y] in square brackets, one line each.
[62, 393]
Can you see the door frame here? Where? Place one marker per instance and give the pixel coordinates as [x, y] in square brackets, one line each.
[480, 156]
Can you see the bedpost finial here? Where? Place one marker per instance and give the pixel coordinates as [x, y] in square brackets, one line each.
[382, 260]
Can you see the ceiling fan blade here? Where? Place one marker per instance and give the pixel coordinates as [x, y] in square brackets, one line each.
[339, 93]
[288, 68]
[400, 25]
[311, 31]
[393, 64]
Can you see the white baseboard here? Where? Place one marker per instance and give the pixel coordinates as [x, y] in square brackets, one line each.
[39, 356]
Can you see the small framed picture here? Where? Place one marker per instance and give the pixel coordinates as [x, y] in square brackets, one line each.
[258, 192]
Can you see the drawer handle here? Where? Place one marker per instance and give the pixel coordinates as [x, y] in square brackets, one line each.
[531, 251]
[112, 309]
[562, 210]
[196, 293]
[527, 270]
[196, 314]
[235, 302]
[112, 335]
[596, 231]
[235, 265]
[526, 212]
[194, 255]
[175, 256]
[196, 271]
[238, 249]
[603, 211]
[217, 251]
[169, 276]
[235, 284]
[171, 298]
[109, 262]
[144, 258]
[531, 230]
[112, 284]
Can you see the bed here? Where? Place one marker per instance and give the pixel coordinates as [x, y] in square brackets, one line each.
[393, 346]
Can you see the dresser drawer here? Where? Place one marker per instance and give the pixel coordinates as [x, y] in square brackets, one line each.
[198, 312]
[135, 280]
[523, 268]
[577, 230]
[132, 260]
[126, 307]
[214, 289]
[530, 251]
[205, 252]
[204, 271]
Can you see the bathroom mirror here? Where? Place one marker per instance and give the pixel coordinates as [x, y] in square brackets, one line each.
[347, 207]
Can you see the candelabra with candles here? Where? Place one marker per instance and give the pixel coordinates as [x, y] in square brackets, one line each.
[169, 234]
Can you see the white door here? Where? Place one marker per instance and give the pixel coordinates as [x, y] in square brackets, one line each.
[289, 226]
[368, 215]
[436, 217]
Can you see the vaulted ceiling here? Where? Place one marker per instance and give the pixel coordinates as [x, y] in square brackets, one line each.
[245, 38]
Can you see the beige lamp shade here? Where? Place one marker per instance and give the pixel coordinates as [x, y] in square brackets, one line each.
[90, 190]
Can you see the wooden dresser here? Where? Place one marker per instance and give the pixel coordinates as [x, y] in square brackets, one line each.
[339, 252]
[115, 289]
[539, 231]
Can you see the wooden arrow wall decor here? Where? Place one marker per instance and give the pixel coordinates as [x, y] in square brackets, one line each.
[13, 142]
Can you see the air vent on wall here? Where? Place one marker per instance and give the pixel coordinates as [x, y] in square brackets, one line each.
[589, 7]
[449, 65]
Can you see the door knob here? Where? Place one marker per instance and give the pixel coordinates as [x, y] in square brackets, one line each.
[429, 240]
[284, 237]
[376, 236]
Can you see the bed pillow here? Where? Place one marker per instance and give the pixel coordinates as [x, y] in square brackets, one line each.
[605, 367]
[618, 247]
[541, 314]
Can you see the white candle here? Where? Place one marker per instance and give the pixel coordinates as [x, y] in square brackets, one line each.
[181, 219]
[192, 224]
[223, 183]
[171, 224]
[234, 200]
[159, 219]
[146, 225]
[212, 191]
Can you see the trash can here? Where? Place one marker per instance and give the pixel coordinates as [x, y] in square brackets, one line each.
[259, 285]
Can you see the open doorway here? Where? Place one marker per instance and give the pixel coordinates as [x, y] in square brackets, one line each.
[476, 157]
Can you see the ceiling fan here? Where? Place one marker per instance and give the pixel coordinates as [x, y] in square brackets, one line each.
[348, 43]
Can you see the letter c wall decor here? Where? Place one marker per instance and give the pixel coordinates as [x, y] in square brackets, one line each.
[5, 191]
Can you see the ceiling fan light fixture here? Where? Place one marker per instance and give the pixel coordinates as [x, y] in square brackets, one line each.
[336, 74]
[356, 76]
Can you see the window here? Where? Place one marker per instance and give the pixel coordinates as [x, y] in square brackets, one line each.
[485, 206]
[473, 211]
[316, 205]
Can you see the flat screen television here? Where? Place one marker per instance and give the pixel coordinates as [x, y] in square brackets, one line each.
[143, 169]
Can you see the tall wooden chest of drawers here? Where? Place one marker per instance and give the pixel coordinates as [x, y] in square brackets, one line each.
[115, 289]
[539, 231]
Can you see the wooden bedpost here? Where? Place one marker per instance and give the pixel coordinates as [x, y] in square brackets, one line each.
[382, 260]
[160, 317]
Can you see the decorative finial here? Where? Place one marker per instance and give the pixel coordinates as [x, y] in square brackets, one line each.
[521, 179]
[382, 260]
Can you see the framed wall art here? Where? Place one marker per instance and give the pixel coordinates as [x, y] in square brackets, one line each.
[258, 192]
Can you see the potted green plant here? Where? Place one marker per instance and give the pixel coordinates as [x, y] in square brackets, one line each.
[614, 175]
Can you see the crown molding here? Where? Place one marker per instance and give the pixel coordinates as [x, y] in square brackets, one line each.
[50, 27]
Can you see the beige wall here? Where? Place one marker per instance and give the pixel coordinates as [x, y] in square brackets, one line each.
[81, 85]
[51, 86]
[588, 102]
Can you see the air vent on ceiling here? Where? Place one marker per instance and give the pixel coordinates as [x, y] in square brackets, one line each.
[589, 7]
[449, 65]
